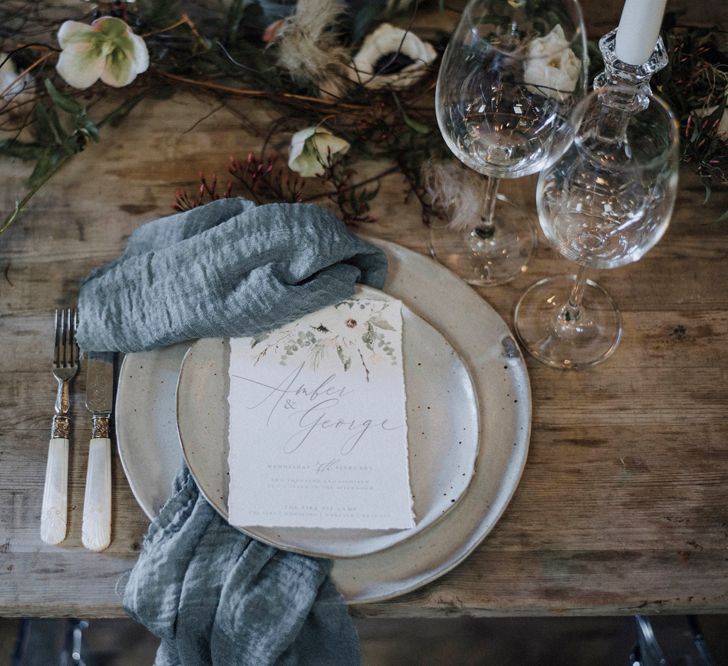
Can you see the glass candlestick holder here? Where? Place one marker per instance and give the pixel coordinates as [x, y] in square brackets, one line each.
[622, 74]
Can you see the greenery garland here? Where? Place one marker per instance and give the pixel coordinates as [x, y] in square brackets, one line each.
[234, 53]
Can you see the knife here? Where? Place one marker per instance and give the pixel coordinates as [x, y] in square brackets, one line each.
[96, 528]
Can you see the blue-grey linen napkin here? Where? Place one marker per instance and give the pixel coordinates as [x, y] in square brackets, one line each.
[216, 596]
[213, 595]
[226, 269]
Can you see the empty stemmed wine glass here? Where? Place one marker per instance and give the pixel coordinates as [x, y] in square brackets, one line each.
[512, 72]
[605, 203]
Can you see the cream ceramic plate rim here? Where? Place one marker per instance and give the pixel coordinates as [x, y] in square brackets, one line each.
[430, 554]
[386, 541]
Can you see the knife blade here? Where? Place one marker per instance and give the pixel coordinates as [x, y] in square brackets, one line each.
[99, 383]
[96, 527]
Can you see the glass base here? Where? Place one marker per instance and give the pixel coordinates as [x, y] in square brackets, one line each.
[483, 257]
[552, 338]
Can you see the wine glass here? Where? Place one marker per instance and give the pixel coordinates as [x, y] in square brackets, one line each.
[511, 74]
[605, 203]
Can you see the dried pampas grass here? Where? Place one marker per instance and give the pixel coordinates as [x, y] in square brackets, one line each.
[309, 48]
[457, 194]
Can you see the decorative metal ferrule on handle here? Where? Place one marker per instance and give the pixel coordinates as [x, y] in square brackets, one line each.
[619, 73]
[100, 425]
[60, 427]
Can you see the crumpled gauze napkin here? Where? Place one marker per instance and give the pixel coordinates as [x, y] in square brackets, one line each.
[226, 269]
[230, 268]
[216, 596]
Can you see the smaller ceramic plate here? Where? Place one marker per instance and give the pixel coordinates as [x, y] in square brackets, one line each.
[442, 423]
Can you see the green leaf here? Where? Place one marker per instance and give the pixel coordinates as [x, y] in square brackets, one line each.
[63, 102]
[23, 151]
[48, 125]
[345, 358]
[381, 323]
[46, 163]
[73, 143]
[368, 337]
[234, 19]
[88, 128]
[418, 127]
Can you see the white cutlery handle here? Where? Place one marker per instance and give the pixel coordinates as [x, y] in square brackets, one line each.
[96, 530]
[55, 493]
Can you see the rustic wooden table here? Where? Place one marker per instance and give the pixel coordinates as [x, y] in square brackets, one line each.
[623, 506]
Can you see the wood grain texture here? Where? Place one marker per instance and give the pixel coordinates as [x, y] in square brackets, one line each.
[623, 506]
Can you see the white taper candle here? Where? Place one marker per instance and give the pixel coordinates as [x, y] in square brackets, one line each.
[638, 30]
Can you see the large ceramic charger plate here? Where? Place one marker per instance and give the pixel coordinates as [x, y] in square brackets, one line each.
[442, 434]
[150, 451]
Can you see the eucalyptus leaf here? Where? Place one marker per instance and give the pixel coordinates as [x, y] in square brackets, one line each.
[234, 17]
[63, 102]
[48, 126]
[47, 162]
[20, 150]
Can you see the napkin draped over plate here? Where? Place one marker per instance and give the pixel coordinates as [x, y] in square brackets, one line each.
[226, 269]
[230, 268]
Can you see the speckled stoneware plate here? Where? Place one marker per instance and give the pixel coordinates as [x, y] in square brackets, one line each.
[442, 427]
[150, 452]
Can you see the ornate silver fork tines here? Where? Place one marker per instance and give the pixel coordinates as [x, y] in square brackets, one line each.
[65, 366]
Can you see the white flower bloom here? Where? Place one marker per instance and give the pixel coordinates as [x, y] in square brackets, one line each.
[12, 87]
[107, 50]
[310, 150]
[383, 47]
[552, 67]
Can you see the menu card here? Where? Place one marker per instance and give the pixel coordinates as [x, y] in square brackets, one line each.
[318, 430]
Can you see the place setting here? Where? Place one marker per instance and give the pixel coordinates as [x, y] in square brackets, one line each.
[182, 401]
[311, 416]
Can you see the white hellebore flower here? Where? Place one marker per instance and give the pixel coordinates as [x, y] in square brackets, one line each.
[552, 67]
[107, 50]
[391, 58]
[12, 87]
[310, 150]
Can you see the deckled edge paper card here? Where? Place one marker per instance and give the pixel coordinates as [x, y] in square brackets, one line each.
[318, 429]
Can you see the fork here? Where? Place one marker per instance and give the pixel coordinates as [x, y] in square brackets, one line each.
[55, 492]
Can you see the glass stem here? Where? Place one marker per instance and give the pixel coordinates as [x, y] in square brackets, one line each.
[572, 309]
[486, 228]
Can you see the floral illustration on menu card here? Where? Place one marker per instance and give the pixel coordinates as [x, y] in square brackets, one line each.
[360, 337]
